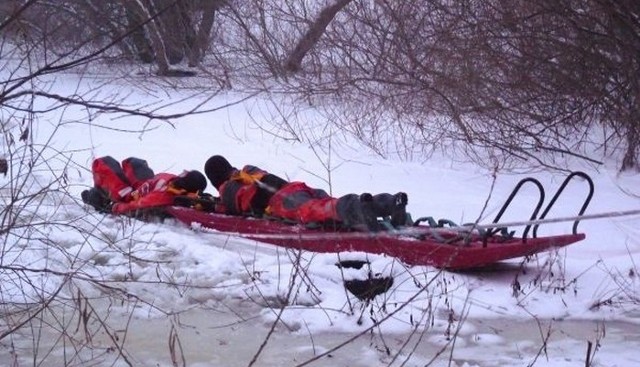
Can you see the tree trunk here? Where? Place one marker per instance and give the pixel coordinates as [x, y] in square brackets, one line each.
[171, 28]
[203, 35]
[188, 38]
[630, 160]
[294, 61]
[157, 44]
[140, 42]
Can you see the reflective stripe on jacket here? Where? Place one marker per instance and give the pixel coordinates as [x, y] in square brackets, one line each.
[154, 192]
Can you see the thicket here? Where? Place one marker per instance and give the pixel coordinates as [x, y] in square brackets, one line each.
[511, 84]
[517, 83]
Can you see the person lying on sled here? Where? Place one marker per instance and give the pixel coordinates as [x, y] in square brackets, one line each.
[132, 186]
[253, 191]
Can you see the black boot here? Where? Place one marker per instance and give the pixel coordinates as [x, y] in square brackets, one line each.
[357, 212]
[98, 199]
[393, 206]
[369, 216]
[399, 212]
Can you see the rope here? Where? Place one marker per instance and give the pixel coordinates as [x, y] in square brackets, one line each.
[418, 230]
[557, 220]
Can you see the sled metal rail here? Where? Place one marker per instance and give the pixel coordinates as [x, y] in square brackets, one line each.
[585, 204]
[534, 220]
[491, 231]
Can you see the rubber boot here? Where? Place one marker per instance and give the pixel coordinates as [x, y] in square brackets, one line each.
[357, 212]
[393, 206]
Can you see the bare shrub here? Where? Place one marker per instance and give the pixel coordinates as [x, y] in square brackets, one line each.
[523, 83]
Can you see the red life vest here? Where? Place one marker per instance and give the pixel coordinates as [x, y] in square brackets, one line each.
[301, 203]
[295, 201]
[119, 182]
[154, 192]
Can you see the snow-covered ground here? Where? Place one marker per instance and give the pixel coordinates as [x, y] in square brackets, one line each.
[224, 294]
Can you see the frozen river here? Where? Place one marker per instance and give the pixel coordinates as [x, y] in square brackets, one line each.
[214, 338]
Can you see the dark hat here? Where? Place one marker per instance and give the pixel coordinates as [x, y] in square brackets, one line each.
[218, 170]
[192, 181]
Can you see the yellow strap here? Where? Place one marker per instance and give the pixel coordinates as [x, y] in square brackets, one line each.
[173, 190]
[247, 178]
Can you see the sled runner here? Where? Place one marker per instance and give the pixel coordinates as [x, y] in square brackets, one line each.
[440, 243]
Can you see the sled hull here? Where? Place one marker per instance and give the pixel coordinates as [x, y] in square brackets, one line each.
[458, 254]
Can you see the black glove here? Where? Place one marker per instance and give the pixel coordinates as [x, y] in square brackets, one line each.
[98, 199]
[204, 202]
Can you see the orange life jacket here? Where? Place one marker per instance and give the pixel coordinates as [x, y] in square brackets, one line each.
[133, 186]
[155, 192]
[238, 191]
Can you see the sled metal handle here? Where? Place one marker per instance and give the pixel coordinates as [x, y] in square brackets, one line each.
[564, 184]
[492, 231]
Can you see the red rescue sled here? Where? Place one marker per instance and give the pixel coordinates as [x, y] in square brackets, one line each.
[421, 245]
[425, 243]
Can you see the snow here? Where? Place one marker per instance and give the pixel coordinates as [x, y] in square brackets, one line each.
[223, 293]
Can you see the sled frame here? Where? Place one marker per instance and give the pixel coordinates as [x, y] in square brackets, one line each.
[539, 204]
